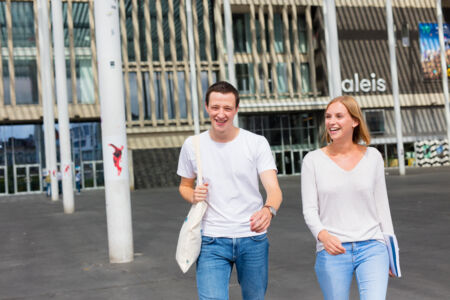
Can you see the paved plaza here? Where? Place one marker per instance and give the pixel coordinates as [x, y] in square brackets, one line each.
[46, 254]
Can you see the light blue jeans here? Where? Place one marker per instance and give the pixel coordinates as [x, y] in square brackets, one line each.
[216, 260]
[368, 259]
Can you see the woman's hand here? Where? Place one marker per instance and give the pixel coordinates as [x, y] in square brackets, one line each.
[331, 243]
[200, 193]
[390, 273]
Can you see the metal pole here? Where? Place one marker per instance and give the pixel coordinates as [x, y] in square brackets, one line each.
[114, 138]
[63, 111]
[230, 49]
[395, 92]
[47, 96]
[332, 46]
[443, 67]
[192, 67]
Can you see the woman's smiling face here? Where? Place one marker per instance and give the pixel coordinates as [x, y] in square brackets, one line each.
[338, 122]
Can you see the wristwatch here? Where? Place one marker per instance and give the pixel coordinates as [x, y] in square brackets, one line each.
[272, 210]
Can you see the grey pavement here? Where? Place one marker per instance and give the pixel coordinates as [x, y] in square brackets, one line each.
[45, 254]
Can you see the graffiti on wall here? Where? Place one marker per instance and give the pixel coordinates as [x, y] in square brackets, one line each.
[432, 153]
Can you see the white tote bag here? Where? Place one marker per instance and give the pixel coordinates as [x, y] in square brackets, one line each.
[190, 238]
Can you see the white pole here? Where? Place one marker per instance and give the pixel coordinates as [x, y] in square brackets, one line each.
[63, 111]
[47, 95]
[230, 49]
[192, 67]
[114, 138]
[395, 92]
[332, 47]
[443, 67]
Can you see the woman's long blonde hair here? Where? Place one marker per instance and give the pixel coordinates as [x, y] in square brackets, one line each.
[360, 132]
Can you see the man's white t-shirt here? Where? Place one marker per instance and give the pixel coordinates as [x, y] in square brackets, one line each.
[231, 169]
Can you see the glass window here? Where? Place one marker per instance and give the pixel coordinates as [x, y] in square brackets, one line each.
[263, 80]
[147, 97]
[83, 56]
[133, 96]
[273, 137]
[86, 142]
[241, 33]
[306, 82]
[302, 37]
[201, 30]
[129, 30]
[26, 81]
[205, 85]
[375, 121]
[69, 81]
[182, 95]
[170, 95]
[158, 96]
[6, 81]
[24, 44]
[243, 78]
[85, 81]
[278, 34]
[4, 49]
[282, 77]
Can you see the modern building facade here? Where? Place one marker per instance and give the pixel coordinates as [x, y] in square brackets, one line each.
[281, 72]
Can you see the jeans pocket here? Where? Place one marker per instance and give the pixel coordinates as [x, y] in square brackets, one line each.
[207, 240]
[259, 238]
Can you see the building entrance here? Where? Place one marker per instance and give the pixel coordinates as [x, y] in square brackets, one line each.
[27, 178]
[92, 174]
[289, 162]
[3, 181]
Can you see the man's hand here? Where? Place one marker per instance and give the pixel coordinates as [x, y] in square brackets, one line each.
[200, 193]
[191, 194]
[331, 243]
[260, 220]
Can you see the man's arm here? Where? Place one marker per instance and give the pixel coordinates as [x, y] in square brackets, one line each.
[190, 194]
[269, 180]
[261, 219]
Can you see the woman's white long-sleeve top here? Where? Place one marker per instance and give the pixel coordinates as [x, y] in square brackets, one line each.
[351, 205]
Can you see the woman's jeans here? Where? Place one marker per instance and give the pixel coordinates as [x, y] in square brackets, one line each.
[370, 261]
[216, 260]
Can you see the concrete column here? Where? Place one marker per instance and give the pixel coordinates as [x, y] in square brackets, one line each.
[395, 92]
[444, 67]
[47, 95]
[332, 47]
[63, 110]
[114, 138]
[194, 95]
[230, 49]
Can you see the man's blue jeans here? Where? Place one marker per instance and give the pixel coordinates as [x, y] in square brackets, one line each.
[368, 259]
[216, 260]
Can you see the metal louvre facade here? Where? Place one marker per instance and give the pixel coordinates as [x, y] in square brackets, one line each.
[281, 70]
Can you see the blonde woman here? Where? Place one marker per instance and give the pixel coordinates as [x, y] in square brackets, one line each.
[346, 207]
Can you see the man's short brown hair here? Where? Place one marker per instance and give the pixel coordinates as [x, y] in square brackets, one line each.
[222, 87]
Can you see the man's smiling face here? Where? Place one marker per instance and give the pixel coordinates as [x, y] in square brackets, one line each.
[221, 109]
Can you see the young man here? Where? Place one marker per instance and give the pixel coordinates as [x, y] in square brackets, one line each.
[235, 223]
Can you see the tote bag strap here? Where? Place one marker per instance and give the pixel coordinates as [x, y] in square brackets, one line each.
[198, 159]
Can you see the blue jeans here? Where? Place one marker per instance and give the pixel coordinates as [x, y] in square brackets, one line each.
[370, 261]
[216, 260]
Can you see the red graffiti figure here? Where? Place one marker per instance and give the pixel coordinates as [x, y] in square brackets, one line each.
[117, 157]
[67, 169]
